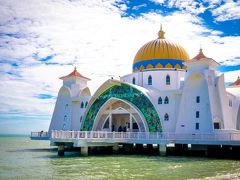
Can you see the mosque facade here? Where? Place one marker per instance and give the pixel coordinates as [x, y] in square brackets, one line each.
[166, 92]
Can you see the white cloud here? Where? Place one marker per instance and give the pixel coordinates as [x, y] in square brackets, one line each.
[228, 11]
[185, 5]
[89, 34]
[158, 1]
[231, 76]
[221, 10]
[139, 6]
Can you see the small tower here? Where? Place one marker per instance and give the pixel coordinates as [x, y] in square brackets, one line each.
[71, 102]
[204, 98]
[75, 81]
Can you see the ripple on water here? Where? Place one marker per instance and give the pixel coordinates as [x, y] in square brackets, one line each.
[21, 158]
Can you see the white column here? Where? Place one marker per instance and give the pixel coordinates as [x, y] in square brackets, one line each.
[131, 123]
[61, 150]
[115, 148]
[110, 122]
[84, 151]
[162, 149]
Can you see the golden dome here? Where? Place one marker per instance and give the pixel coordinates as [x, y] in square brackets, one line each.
[160, 53]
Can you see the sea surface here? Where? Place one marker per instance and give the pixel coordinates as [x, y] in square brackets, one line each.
[21, 158]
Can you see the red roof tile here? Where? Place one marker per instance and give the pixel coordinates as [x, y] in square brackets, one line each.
[236, 83]
[199, 56]
[75, 73]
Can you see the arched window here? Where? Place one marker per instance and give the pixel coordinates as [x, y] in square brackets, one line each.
[166, 100]
[65, 118]
[64, 127]
[82, 105]
[198, 99]
[197, 114]
[86, 103]
[166, 117]
[149, 80]
[133, 80]
[66, 106]
[159, 100]
[168, 80]
[80, 119]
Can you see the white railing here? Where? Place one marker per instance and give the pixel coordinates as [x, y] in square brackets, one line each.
[39, 134]
[144, 136]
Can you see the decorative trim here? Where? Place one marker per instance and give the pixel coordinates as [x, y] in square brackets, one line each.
[159, 63]
[131, 95]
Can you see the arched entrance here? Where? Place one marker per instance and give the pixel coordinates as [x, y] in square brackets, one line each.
[118, 115]
[127, 93]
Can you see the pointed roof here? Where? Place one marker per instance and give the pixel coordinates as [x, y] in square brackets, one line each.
[161, 33]
[75, 73]
[236, 83]
[199, 56]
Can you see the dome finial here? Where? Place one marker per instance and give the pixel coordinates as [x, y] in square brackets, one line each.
[200, 50]
[161, 33]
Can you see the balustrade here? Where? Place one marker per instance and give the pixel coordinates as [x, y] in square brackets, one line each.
[143, 136]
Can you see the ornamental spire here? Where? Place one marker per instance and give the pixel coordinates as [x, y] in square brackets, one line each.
[161, 33]
[236, 83]
[200, 50]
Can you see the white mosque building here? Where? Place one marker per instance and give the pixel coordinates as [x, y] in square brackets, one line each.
[166, 92]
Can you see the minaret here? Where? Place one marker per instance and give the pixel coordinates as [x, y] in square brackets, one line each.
[72, 100]
[75, 78]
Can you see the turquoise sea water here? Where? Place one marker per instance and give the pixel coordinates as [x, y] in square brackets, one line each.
[21, 158]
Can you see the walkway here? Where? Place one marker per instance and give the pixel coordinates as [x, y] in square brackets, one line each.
[97, 138]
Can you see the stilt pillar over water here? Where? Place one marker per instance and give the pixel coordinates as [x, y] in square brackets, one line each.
[162, 149]
[115, 148]
[128, 147]
[138, 148]
[149, 146]
[61, 150]
[84, 151]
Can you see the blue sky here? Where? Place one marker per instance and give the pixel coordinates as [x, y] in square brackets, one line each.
[43, 40]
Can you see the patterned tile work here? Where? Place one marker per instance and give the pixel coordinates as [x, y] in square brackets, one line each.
[132, 96]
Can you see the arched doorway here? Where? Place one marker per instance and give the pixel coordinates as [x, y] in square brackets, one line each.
[118, 115]
[137, 98]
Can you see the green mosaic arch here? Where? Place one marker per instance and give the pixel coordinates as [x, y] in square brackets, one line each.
[131, 95]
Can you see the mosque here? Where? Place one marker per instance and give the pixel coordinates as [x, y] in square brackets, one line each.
[166, 92]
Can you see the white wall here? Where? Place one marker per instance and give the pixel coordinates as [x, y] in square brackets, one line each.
[171, 108]
[158, 79]
[160, 88]
[235, 109]
[224, 103]
[195, 85]
[61, 119]
[78, 112]
[81, 82]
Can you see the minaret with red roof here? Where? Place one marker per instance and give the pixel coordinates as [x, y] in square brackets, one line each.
[236, 83]
[75, 78]
[74, 74]
[72, 101]
[200, 61]
[200, 56]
